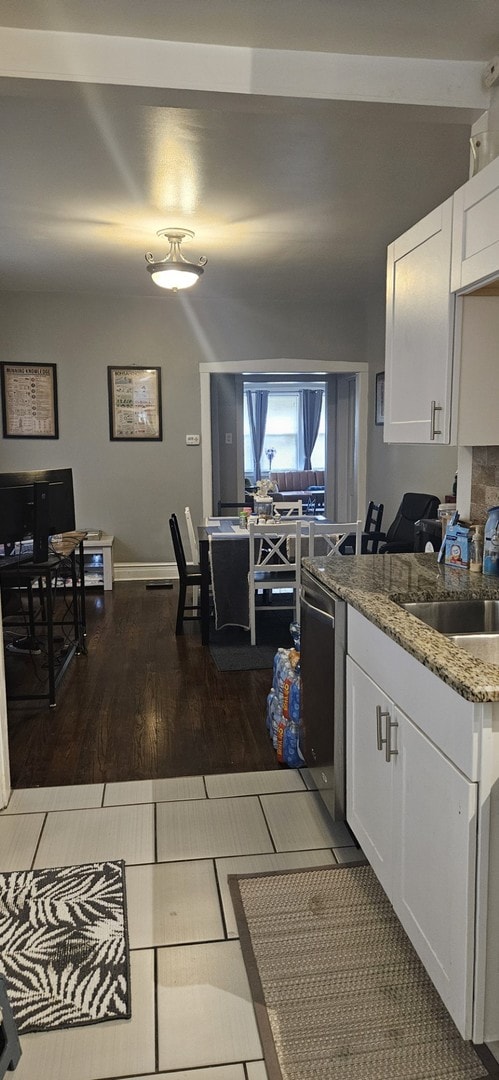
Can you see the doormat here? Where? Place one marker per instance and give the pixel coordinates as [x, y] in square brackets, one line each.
[338, 990]
[242, 657]
[64, 945]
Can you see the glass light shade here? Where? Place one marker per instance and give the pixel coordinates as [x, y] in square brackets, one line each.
[175, 276]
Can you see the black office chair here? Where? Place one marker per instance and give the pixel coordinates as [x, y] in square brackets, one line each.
[400, 535]
[188, 574]
[370, 533]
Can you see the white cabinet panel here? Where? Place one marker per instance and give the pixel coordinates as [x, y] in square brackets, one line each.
[475, 234]
[414, 815]
[435, 825]
[420, 332]
[449, 721]
[479, 372]
[369, 781]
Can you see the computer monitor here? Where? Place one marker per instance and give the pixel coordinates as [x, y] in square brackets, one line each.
[36, 505]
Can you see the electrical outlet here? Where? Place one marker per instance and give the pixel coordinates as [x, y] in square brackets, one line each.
[193, 440]
[228, 438]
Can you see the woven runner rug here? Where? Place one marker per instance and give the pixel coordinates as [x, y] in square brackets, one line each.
[338, 990]
[64, 945]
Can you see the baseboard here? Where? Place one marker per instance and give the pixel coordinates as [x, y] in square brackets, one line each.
[145, 571]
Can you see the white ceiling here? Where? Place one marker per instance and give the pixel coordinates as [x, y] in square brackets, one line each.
[290, 198]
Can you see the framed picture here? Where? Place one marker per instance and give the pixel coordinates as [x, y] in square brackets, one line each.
[135, 404]
[379, 416]
[29, 401]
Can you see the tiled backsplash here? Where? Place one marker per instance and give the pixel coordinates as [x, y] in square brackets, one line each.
[484, 481]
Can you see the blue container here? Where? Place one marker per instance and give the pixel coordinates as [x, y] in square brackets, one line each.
[491, 543]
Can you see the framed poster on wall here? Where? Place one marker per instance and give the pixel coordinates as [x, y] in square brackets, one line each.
[29, 401]
[135, 403]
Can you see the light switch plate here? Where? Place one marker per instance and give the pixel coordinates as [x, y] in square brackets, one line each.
[193, 440]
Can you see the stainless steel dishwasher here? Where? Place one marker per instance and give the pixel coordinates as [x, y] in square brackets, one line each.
[323, 651]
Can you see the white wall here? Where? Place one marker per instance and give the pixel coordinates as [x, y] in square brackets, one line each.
[130, 489]
[392, 468]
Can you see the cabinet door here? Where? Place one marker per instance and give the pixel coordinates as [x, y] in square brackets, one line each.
[420, 332]
[434, 817]
[369, 778]
[475, 239]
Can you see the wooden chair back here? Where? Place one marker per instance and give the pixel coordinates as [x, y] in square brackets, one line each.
[192, 536]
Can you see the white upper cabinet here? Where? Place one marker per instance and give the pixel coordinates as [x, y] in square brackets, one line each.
[475, 240]
[420, 332]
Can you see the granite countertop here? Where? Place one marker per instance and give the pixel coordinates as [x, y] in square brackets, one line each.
[377, 584]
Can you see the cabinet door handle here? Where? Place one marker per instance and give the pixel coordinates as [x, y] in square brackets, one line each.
[433, 430]
[388, 741]
[380, 713]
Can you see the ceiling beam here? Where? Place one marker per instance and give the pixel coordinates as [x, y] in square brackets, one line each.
[124, 61]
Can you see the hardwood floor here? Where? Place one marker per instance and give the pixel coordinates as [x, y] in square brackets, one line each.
[141, 704]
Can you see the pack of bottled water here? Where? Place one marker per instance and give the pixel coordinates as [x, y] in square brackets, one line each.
[283, 717]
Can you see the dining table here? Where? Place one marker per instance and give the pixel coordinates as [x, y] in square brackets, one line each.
[224, 565]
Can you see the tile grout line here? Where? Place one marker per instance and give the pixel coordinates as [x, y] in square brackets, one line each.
[38, 842]
[269, 830]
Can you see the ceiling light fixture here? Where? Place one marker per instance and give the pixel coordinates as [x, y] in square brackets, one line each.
[174, 272]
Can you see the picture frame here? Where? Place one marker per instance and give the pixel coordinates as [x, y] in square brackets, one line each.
[29, 401]
[379, 414]
[135, 413]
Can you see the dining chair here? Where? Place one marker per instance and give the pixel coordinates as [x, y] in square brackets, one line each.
[194, 549]
[328, 537]
[370, 534]
[272, 566]
[189, 574]
[290, 509]
[192, 535]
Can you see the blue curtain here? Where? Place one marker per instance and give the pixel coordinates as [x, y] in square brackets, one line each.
[311, 404]
[257, 401]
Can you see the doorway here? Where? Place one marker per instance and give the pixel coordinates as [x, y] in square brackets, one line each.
[222, 426]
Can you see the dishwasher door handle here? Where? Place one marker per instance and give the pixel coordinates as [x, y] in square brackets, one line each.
[318, 611]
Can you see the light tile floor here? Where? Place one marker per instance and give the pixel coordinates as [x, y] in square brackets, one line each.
[192, 1017]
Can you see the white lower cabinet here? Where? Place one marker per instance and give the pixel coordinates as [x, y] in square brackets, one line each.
[414, 814]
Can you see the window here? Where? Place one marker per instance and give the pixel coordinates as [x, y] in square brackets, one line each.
[283, 431]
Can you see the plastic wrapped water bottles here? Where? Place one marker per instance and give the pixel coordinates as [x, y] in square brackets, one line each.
[283, 717]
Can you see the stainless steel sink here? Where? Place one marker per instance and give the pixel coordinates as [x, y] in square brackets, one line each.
[482, 646]
[471, 624]
[458, 617]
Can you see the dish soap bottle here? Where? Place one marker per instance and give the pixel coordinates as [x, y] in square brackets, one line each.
[476, 550]
[491, 543]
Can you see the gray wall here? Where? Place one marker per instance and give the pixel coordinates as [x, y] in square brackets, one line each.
[130, 489]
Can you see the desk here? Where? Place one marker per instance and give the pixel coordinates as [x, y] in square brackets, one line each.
[69, 550]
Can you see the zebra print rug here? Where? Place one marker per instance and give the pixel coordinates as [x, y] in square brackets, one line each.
[64, 945]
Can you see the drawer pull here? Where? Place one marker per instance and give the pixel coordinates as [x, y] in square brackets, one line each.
[388, 742]
[380, 713]
[433, 430]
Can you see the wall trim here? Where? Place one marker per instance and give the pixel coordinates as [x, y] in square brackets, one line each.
[129, 571]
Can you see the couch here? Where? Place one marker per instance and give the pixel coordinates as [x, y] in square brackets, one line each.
[293, 484]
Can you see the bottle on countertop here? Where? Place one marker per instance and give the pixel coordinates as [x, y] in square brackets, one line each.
[476, 550]
[491, 543]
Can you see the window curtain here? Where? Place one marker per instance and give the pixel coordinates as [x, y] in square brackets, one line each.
[311, 404]
[257, 401]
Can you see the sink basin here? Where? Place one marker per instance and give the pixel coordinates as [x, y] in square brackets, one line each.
[481, 646]
[458, 617]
